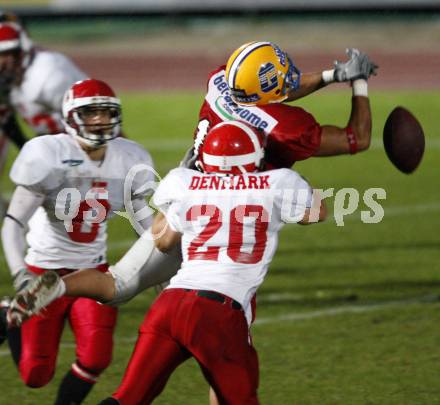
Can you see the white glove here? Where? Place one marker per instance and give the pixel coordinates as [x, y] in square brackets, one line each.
[22, 279]
[189, 159]
[358, 66]
[37, 295]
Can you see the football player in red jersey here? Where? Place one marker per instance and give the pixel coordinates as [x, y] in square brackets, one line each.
[255, 82]
[253, 86]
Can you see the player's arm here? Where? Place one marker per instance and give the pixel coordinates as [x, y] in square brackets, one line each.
[90, 283]
[357, 66]
[316, 213]
[23, 205]
[12, 130]
[356, 136]
[165, 237]
[310, 82]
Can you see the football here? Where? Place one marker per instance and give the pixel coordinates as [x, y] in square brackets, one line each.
[404, 140]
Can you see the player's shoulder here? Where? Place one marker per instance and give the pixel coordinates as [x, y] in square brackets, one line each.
[221, 70]
[50, 58]
[45, 145]
[182, 173]
[180, 178]
[45, 70]
[131, 149]
[282, 177]
[37, 162]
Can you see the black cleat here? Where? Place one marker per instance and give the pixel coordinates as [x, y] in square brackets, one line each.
[4, 306]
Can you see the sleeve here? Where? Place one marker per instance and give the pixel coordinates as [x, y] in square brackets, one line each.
[295, 197]
[23, 205]
[297, 136]
[33, 169]
[168, 196]
[145, 175]
[63, 74]
[139, 186]
[60, 77]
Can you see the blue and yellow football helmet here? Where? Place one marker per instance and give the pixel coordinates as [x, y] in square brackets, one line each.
[260, 73]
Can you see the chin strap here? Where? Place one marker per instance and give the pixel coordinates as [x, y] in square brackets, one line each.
[352, 141]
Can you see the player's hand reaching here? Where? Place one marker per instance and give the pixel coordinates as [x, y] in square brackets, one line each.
[358, 66]
[189, 159]
[34, 297]
[22, 279]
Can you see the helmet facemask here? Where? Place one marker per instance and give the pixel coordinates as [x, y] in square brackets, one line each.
[92, 131]
[92, 112]
[292, 79]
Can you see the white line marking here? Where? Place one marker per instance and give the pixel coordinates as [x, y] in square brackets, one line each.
[355, 309]
[295, 317]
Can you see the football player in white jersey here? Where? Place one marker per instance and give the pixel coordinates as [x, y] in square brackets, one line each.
[226, 218]
[68, 185]
[32, 83]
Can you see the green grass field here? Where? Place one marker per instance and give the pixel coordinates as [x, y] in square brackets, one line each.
[347, 315]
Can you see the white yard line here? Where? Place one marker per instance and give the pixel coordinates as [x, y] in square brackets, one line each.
[352, 309]
[296, 317]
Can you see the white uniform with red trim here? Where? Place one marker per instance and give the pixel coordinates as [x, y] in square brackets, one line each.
[38, 99]
[69, 229]
[230, 225]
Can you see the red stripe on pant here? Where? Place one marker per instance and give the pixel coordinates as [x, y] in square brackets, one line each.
[181, 324]
[92, 324]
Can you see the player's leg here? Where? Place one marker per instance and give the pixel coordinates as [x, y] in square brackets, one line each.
[155, 356]
[224, 352]
[4, 146]
[93, 326]
[40, 338]
[4, 307]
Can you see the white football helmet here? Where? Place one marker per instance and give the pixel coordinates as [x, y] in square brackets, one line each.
[86, 96]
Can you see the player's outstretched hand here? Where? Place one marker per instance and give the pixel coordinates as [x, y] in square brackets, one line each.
[358, 66]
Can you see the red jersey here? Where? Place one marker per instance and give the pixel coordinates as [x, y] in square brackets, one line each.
[292, 134]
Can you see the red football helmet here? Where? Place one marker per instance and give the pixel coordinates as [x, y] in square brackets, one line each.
[88, 97]
[9, 37]
[15, 47]
[232, 147]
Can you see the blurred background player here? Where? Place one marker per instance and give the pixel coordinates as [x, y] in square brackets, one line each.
[205, 311]
[33, 81]
[68, 185]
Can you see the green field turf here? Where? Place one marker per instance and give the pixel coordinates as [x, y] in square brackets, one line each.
[347, 315]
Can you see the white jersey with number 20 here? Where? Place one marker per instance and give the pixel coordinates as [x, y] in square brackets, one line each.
[230, 225]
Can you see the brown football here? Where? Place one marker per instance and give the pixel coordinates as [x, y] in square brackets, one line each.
[404, 140]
